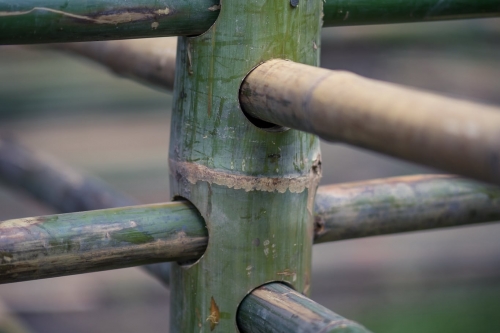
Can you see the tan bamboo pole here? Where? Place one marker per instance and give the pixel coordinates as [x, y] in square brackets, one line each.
[453, 135]
[275, 307]
[150, 61]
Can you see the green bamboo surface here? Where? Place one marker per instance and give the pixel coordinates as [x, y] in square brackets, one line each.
[276, 307]
[255, 189]
[342, 211]
[402, 204]
[24, 22]
[84, 242]
[360, 12]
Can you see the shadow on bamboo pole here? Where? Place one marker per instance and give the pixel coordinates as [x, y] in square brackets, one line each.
[276, 307]
[453, 135]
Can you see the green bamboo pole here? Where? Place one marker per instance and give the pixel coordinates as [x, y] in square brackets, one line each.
[402, 204]
[360, 12]
[24, 22]
[255, 189]
[453, 135]
[276, 307]
[64, 189]
[28, 21]
[65, 244]
[59, 243]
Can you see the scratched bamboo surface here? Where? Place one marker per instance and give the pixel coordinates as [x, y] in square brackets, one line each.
[75, 21]
[276, 307]
[453, 135]
[84, 242]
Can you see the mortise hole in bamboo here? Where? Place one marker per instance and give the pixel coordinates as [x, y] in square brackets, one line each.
[188, 263]
[259, 123]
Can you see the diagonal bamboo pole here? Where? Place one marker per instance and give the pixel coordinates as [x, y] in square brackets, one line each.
[452, 135]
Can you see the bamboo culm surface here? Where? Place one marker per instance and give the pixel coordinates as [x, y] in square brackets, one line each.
[455, 136]
[73, 21]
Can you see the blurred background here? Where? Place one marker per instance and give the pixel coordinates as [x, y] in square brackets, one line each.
[437, 281]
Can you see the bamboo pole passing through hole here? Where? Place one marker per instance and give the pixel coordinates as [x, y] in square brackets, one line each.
[84, 242]
[276, 307]
[453, 135]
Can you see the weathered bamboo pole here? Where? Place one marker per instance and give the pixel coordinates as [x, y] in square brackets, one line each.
[150, 61]
[66, 244]
[276, 307]
[401, 204]
[453, 135]
[76, 21]
[359, 12]
[73, 21]
[58, 245]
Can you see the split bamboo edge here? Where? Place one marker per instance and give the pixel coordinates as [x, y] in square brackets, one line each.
[74, 21]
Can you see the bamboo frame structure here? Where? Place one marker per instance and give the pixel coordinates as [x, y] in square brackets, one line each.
[242, 172]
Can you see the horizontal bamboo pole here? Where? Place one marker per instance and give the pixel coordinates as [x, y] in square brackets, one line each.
[75, 21]
[276, 307]
[150, 61]
[359, 12]
[401, 204]
[62, 188]
[453, 135]
[65, 244]
[26, 22]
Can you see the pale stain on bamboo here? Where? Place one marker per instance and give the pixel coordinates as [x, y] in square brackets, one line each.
[123, 16]
[195, 172]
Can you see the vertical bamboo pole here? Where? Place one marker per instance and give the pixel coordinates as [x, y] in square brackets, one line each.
[254, 188]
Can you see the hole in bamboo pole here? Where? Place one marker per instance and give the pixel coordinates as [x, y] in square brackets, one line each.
[188, 263]
[259, 123]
